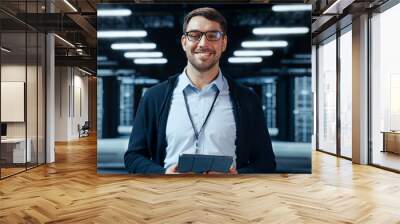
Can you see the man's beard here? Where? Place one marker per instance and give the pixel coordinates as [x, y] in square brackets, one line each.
[201, 67]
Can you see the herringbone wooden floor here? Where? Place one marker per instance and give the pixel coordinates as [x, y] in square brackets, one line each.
[70, 191]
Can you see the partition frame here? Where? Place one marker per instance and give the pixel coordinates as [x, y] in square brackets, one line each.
[338, 34]
[44, 75]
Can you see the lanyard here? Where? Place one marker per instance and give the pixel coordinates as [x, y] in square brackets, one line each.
[197, 133]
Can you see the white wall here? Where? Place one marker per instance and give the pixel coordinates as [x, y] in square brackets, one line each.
[33, 126]
[71, 93]
[61, 103]
[12, 73]
[80, 89]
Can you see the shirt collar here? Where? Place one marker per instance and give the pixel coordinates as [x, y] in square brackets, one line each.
[184, 81]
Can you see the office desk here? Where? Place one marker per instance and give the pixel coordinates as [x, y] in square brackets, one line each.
[13, 150]
[391, 141]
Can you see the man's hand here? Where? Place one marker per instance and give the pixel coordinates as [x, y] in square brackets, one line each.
[172, 170]
[231, 171]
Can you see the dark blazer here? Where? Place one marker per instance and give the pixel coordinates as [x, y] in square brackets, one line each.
[146, 151]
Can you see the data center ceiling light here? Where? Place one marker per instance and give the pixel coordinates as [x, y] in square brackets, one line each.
[299, 70]
[105, 72]
[291, 8]
[295, 61]
[101, 58]
[244, 59]
[147, 61]
[302, 55]
[113, 12]
[70, 5]
[107, 63]
[261, 44]
[121, 33]
[143, 54]
[247, 53]
[141, 81]
[280, 30]
[64, 40]
[133, 46]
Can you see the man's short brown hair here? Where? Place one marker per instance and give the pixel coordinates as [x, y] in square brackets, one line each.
[208, 13]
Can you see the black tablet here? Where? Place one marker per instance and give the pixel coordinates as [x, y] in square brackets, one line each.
[198, 163]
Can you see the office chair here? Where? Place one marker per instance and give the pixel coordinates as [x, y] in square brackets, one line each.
[84, 130]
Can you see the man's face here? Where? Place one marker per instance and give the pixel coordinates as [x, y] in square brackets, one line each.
[203, 54]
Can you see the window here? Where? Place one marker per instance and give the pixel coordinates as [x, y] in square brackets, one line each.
[327, 96]
[385, 89]
[346, 94]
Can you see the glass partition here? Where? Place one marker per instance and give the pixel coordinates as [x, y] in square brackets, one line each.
[346, 93]
[41, 85]
[31, 99]
[13, 110]
[385, 89]
[22, 89]
[327, 96]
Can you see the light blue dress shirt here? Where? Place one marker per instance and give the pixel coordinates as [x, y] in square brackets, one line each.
[219, 133]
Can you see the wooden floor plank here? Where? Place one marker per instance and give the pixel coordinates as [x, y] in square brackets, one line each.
[70, 191]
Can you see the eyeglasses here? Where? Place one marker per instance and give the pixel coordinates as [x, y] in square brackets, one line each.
[210, 35]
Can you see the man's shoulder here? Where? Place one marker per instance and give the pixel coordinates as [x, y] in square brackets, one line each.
[159, 90]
